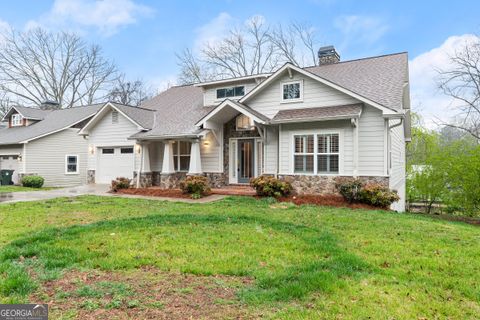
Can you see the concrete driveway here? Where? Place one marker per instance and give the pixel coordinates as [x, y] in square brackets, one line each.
[91, 189]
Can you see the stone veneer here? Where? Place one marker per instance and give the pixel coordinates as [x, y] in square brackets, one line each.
[305, 184]
[90, 176]
[230, 131]
[145, 179]
[171, 180]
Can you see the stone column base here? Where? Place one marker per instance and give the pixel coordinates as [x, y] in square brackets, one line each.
[145, 179]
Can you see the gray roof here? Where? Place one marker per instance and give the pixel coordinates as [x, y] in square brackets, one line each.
[30, 113]
[380, 79]
[179, 109]
[53, 121]
[142, 116]
[312, 114]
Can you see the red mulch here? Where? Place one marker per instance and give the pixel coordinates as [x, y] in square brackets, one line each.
[326, 200]
[156, 192]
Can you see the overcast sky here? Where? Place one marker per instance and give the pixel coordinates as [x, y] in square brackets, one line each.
[142, 36]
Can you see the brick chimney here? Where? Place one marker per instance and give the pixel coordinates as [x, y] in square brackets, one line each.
[327, 55]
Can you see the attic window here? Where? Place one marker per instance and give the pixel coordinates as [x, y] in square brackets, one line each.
[244, 123]
[292, 91]
[229, 92]
[16, 120]
[114, 116]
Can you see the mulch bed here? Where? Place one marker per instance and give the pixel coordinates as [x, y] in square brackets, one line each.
[326, 200]
[156, 192]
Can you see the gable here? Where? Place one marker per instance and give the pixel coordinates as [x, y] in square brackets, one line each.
[110, 129]
[315, 94]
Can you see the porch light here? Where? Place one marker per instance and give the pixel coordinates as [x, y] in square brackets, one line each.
[91, 149]
[206, 143]
[138, 148]
[19, 158]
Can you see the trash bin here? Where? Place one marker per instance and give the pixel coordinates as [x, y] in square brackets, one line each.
[6, 177]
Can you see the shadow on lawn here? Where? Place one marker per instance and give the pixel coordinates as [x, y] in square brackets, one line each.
[323, 274]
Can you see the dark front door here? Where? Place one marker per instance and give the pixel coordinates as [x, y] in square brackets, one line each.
[245, 160]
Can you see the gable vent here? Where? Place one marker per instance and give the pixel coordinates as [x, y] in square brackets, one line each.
[114, 116]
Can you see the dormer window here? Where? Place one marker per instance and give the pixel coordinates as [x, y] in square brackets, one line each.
[292, 91]
[244, 123]
[16, 120]
[231, 92]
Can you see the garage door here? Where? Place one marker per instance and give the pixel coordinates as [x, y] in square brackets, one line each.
[10, 162]
[114, 162]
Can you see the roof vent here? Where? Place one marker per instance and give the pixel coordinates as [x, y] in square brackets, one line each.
[50, 105]
[327, 55]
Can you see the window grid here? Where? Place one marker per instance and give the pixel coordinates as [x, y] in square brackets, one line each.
[304, 153]
[71, 164]
[292, 91]
[317, 153]
[230, 92]
[181, 155]
[16, 119]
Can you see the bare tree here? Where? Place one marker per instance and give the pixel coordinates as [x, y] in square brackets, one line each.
[254, 48]
[5, 104]
[38, 66]
[462, 82]
[131, 93]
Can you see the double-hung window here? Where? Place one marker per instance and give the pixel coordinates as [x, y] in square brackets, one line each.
[16, 120]
[181, 155]
[328, 153]
[304, 154]
[71, 164]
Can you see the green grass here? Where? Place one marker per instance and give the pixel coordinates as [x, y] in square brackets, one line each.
[308, 262]
[22, 189]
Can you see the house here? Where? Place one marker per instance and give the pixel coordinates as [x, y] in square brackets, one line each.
[46, 143]
[306, 125]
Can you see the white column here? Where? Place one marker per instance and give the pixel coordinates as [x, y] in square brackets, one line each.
[355, 146]
[195, 159]
[145, 158]
[168, 164]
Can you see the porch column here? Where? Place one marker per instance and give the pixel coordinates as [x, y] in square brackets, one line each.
[195, 158]
[145, 161]
[168, 164]
[355, 123]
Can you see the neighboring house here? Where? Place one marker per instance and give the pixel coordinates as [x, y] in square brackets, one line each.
[46, 143]
[307, 125]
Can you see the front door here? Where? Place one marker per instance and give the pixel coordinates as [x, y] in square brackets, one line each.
[245, 160]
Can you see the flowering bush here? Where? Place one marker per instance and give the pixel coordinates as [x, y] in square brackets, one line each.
[349, 189]
[378, 195]
[197, 186]
[120, 183]
[267, 186]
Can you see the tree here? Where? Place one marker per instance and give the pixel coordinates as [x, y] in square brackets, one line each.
[252, 49]
[38, 66]
[462, 82]
[131, 93]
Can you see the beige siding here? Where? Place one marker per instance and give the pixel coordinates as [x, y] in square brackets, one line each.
[397, 167]
[346, 142]
[105, 133]
[271, 150]
[211, 154]
[210, 94]
[315, 94]
[46, 157]
[371, 139]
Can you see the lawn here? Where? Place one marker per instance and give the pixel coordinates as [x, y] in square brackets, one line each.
[22, 189]
[102, 257]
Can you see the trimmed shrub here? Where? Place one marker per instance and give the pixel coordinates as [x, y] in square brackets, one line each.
[378, 195]
[349, 189]
[197, 186]
[267, 186]
[120, 183]
[33, 181]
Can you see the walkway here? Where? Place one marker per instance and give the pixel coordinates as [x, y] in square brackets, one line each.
[235, 190]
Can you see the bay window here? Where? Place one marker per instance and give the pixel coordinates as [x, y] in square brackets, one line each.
[181, 155]
[316, 153]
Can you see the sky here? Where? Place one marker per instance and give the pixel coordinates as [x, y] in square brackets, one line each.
[142, 36]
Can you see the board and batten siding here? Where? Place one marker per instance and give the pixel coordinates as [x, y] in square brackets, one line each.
[372, 144]
[397, 167]
[211, 153]
[346, 142]
[315, 94]
[210, 94]
[46, 157]
[108, 134]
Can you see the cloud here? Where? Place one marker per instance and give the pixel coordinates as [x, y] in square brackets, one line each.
[106, 16]
[4, 29]
[360, 30]
[214, 30]
[426, 98]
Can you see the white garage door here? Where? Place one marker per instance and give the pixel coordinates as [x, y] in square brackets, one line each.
[10, 162]
[114, 162]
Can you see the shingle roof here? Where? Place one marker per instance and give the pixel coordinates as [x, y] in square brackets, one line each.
[142, 116]
[380, 79]
[311, 114]
[53, 121]
[30, 113]
[179, 108]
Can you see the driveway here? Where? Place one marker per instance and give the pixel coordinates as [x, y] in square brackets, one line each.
[91, 189]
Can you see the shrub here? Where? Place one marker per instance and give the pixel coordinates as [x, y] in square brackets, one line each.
[120, 183]
[349, 189]
[197, 186]
[33, 181]
[377, 195]
[267, 186]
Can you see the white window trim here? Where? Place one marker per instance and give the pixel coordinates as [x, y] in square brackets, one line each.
[315, 158]
[233, 97]
[18, 120]
[66, 164]
[304, 153]
[291, 100]
[328, 153]
[178, 155]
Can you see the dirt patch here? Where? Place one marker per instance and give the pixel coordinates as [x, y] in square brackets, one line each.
[325, 200]
[470, 220]
[156, 192]
[144, 294]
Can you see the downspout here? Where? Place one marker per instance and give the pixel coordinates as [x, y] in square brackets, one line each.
[277, 171]
[389, 144]
[140, 166]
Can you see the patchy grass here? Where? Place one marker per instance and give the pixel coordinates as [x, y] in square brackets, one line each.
[22, 189]
[279, 261]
